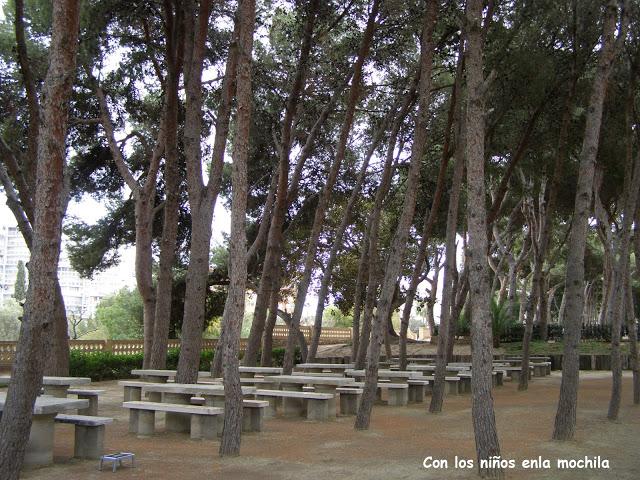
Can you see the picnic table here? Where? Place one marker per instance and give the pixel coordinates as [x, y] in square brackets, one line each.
[160, 376]
[322, 367]
[39, 450]
[181, 393]
[54, 386]
[398, 375]
[321, 385]
[250, 372]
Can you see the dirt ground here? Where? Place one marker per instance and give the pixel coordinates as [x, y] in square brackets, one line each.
[394, 448]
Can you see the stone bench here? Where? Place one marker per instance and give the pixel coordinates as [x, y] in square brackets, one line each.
[349, 400]
[91, 395]
[142, 418]
[397, 393]
[252, 413]
[418, 390]
[451, 384]
[89, 434]
[133, 390]
[314, 405]
[541, 369]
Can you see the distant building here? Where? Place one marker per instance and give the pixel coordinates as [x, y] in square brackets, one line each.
[81, 296]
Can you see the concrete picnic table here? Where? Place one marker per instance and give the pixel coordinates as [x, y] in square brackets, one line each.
[399, 375]
[250, 372]
[181, 393]
[55, 386]
[321, 384]
[321, 367]
[39, 450]
[161, 376]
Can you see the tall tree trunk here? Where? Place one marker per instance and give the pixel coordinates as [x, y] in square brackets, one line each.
[323, 292]
[318, 220]
[632, 328]
[430, 218]
[274, 239]
[399, 242]
[202, 198]
[482, 412]
[621, 265]
[565, 420]
[49, 204]
[173, 55]
[266, 356]
[235, 303]
[450, 270]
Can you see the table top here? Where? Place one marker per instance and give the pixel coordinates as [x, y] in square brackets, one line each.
[4, 380]
[327, 365]
[303, 379]
[162, 373]
[192, 388]
[48, 405]
[276, 370]
[385, 374]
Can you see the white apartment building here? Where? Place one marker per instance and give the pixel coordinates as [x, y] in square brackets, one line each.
[81, 296]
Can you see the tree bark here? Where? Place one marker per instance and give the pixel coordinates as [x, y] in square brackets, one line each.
[235, 303]
[274, 239]
[399, 242]
[430, 218]
[202, 197]
[484, 423]
[323, 202]
[450, 270]
[173, 56]
[49, 201]
[565, 420]
[266, 356]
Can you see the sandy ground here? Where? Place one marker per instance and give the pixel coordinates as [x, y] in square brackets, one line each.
[394, 448]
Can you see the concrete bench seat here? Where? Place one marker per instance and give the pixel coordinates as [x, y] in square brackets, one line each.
[252, 413]
[142, 418]
[349, 399]
[133, 390]
[397, 393]
[312, 404]
[541, 369]
[89, 434]
[85, 394]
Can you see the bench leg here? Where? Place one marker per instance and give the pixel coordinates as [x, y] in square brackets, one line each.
[318, 410]
[132, 394]
[271, 410]
[197, 427]
[252, 419]
[89, 442]
[133, 420]
[92, 409]
[177, 422]
[398, 397]
[39, 449]
[416, 393]
[59, 391]
[146, 422]
[349, 403]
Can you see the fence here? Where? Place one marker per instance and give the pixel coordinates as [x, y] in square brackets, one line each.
[329, 336]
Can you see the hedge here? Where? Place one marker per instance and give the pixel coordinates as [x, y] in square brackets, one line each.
[106, 366]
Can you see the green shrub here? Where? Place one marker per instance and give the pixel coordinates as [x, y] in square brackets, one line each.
[107, 366]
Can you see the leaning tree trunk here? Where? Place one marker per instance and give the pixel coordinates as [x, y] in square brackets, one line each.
[266, 356]
[323, 292]
[202, 198]
[482, 412]
[632, 327]
[323, 202]
[450, 267]
[235, 303]
[49, 202]
[274, 239]
[621, 270]
[565, 420]
[399, 242]
[174, 40]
